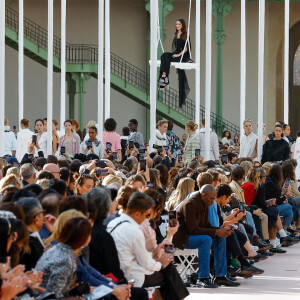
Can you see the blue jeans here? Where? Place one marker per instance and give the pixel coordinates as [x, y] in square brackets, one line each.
[286, 211]
[203, 243]
[250, 222]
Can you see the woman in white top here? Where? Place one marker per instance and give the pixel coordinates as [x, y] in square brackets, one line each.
[22, 139]
[160, 135]
[92, 145]
[226, 138]
[41, 138]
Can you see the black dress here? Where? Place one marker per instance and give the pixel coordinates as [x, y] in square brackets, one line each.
[166, 59]
[275, 151]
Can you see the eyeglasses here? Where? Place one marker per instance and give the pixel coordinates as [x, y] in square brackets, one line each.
[41, 212]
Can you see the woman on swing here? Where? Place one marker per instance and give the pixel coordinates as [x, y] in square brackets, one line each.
[168, 57]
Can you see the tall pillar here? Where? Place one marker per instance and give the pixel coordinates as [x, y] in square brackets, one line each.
[221, 8]
[77, 85]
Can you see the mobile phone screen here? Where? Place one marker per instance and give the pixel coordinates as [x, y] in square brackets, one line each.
[172, 218]
[131, 144]
[62, 150]
[115, 155]
[224, 159]
[159, 149]
[142, 150]
[197, 152]
[101, 164]
[143, 165]
[34, 139]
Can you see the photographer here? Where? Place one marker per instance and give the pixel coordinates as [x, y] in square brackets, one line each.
[92, 145]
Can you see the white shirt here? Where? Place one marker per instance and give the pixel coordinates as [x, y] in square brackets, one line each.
[22, 140]
[135, 260]
[247, 145]
[98, 148]
[159, 140]
[214, 144]
[10, 142]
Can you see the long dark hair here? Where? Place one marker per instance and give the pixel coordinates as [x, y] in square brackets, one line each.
[183, 30]
[276, 174]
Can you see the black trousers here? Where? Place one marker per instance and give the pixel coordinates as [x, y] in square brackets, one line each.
[170, 282]
[136, 294]
[166, 59]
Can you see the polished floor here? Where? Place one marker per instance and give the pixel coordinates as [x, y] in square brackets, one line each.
[281, 280]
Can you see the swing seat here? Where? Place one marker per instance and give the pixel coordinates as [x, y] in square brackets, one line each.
[178, 65]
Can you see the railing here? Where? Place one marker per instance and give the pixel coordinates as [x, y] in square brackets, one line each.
[79, 53]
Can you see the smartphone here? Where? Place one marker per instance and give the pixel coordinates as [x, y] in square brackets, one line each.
[155, 146]
[140, 157]
[99, 172]
[224, 159]
[89, 144]
[101, 164]
[34, 139]
[81, 289]
[108, 147]
[169, 248]
[31, 156]
[142, 150]
[62, 150]
[131, 144]
[159, 149]
[115, 155]
[166, 148]
[287, 183]
[172, 218]
[197, 152]
[179, 158]
[142, 164]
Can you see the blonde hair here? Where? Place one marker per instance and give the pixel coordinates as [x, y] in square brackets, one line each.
[110, 179]
[204, 178]
[159, 123]
[185, 186]
[10, 180]
[13, 171]
[253, 176]
[90, 124]
[61, 221]
[43, 183]
[246, 165]
[191, 125]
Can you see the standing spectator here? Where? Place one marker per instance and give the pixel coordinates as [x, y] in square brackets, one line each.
[286, 134]
[160, 135]
[124, 139]
[214, 142]
[10, 142]
[92, 145]
[41, 138]
[22, 139]
[111, 137]
[226, 138]
[276, 150]
[248, 141]
[236, 140]
[135, 136]
[173, 140]
[70, 140]
[192, 142]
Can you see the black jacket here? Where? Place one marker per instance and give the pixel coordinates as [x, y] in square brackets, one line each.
[103, 252]
[275, 150]
[272, 190]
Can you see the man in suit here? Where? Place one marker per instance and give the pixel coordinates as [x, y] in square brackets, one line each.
[196, 232]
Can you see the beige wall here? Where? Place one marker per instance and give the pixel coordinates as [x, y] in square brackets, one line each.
[128, 40]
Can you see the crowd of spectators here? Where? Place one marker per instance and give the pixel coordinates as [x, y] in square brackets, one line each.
[89, 219]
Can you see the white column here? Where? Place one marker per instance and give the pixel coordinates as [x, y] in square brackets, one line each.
[107, 59]
[100, 66]
[153, 65]
[261, 46]
[50, 78]
[21, 61]
[286, 59]
[208, 78]
[243, 68]
[2, 74]
[197, 75]
[63, 64]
